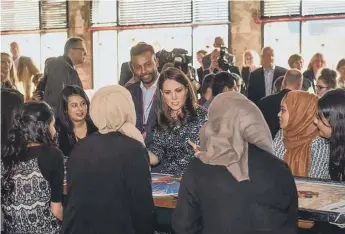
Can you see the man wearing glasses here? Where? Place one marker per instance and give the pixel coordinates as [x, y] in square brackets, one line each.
[61, 72]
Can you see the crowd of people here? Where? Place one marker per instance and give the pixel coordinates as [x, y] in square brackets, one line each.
[237, 142]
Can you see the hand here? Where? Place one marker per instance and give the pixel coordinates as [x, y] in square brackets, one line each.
[196, 148]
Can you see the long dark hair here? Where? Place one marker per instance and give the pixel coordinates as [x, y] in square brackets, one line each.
[331, 106]
[62, 115]
[11, 99]
[163, 112]
[30, 125]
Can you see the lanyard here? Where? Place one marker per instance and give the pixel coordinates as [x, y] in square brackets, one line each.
[148, 107]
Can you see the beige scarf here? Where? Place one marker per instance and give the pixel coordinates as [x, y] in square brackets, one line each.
[112, 109]
[233, 122]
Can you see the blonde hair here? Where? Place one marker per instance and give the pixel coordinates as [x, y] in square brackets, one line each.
[294, 58]
[13, 71]
[312, 60]
[256, 58]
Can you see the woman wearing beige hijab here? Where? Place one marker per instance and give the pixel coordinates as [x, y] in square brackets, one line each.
[298, 142]
[235, 184]
[109, 189]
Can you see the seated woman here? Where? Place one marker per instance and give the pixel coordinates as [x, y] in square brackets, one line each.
[331, 124]
[235, 184]
[32, 173]
[326, 81]
[109, 189]
[298, 142]
[72, 118]
[179, 119]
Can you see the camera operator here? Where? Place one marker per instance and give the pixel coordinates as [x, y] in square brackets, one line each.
[221, 60]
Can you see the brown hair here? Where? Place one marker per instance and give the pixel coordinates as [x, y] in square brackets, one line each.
[294, 78]
[329, 77]
[341, 63]
[294, 58]
[164, 119]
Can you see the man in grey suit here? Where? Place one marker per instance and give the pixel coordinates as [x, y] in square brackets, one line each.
[61, 72]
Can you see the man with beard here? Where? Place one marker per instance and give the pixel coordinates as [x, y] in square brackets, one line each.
[144, 66]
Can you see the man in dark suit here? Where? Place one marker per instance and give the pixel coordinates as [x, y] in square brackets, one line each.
[262, 79]
[270, 105]
[144, 66]
[60, 72]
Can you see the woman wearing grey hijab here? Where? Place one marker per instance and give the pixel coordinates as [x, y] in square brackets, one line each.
[234, 184]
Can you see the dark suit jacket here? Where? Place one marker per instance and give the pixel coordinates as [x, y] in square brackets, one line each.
[233, 69]
[137, 96]
[245, 73]
[309, 80]
[256, 87]
[125, 74]
[59, 73]
[270, 107]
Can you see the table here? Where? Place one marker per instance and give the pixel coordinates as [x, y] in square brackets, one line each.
[327, 203]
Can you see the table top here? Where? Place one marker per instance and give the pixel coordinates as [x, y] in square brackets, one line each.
[319, 200]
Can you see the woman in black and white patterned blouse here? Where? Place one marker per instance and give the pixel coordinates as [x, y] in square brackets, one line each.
[179, 120]
[331, 124]
[299, 143]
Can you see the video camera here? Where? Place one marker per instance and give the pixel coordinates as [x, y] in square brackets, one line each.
[179, 57]
[225, 60]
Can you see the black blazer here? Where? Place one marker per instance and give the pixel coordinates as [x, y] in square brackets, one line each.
[309, 80]
[256, 87]
[245, 73]
[126, 73]
[137, 96]
[211, 200]
[270, 107]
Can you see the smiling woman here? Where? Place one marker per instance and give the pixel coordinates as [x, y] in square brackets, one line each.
[73, 121]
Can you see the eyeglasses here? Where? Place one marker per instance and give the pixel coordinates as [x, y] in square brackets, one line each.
[321, 87]
[81, 49]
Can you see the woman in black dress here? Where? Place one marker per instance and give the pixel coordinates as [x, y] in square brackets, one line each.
[73, 121]
[235, 184]
[32, 173]
[179, 119]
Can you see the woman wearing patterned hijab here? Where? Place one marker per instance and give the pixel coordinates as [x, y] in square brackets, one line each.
[299, 143]
[234, 184]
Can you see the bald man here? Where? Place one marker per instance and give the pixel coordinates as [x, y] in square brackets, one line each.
[270, 105]
[262, 79]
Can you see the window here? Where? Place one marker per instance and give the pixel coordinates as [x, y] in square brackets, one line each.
[37, 46]
[203, 39]
[325, 36]
[105, 59]
[159, 38]
[191, 25]
[283, 37]
[309, 35]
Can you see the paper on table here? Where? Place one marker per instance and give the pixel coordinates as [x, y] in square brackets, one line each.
[338, 207]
